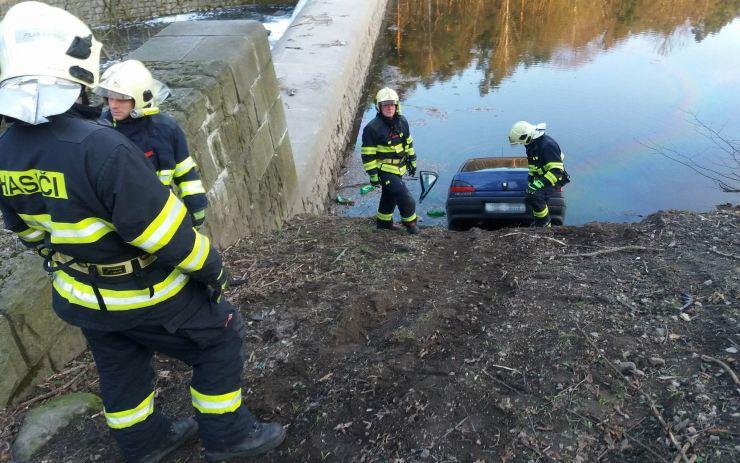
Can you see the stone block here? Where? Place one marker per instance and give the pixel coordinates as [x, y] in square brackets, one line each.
[165, 48]
[278, 126]
[260, 154]
[12, 364]
[270, 81]
[235, 27]
[261, 98]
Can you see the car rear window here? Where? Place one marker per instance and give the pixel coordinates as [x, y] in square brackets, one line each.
[471, 165]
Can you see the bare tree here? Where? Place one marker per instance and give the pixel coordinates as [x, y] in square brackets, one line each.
[723, 169]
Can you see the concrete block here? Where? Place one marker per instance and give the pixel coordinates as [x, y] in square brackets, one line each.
[235, 27]
[12, 364]
[165, 48]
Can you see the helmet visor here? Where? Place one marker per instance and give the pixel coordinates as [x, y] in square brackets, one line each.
[387, 103]
[105, 93]
[32, 99]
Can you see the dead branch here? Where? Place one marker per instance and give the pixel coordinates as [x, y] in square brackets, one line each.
[610, 250]
[646, 397]
[54, 391]
[724, 254]
[562, 243]
[725, 366]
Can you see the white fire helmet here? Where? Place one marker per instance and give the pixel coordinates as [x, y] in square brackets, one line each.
[387, 95]
[522, 132]
[46, 53]
[131, 80]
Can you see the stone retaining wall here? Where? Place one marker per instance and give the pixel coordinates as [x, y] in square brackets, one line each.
[225, 96]
[322, 62]
[100, 12]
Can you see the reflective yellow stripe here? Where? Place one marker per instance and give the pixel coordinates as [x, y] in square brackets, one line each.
[551, 178]
[199, 214]
[160, 231]
[410, 152]
[371, 165]
[185, 166]
[409, 219]
[84, 231]
[197, 257]
[540, 214]
[82, 294]
[553, 165]
[193, 187]
[532, 168]
[216, 404]
[368, 150]
[409, 140]
[126, 418]
[165, 176]
[32, 235]
[386, 217]
[390, 149]
[400, 170]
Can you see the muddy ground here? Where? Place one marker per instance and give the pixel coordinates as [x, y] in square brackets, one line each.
[485, 346]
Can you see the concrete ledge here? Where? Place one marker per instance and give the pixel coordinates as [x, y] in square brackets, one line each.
[322, 62]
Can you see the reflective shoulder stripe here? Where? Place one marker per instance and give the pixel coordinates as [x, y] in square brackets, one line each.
[197, 257]
[185, 166]
[368, 150]
[165, 176]
[85, 231]
[193, 187]
[31, 235]
[216, 404]
[126, 418]
[160, 231]
[83, 295]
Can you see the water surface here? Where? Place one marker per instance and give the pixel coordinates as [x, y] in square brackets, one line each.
[614, 81]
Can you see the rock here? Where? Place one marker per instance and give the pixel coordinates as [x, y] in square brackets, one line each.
[657, 361]
[42, 423]
[626, 367]
[714, 439]
[731, 350]
[425, 454]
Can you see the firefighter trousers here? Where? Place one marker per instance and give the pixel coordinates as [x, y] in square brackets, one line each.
[537, 200]
[394, 193]
[211, 342]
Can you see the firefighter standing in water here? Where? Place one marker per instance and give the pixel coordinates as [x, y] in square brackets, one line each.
[127, 265]
[387, 154]
[546, 170]
[133, 97]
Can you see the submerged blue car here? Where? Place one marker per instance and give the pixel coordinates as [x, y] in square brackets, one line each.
[491, 192]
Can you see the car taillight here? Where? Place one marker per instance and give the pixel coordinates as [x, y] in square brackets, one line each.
[460, 187]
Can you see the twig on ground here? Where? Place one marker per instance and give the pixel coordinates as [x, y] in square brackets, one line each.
[724, 254]
[537, 236]
[499, 381]
[339, 256]
[54, 391]
[610, 250]
[456, 427]
[645, 396]
[504, 368]
[725, 366]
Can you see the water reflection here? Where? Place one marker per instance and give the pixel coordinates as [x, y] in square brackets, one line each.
[608, 77]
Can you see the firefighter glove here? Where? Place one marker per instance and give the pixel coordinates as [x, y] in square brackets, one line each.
[534, 185]
[411, 167]
[374, 180]
[219, 285]
[198, 217]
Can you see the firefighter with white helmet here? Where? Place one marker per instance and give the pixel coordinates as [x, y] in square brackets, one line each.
[127, 266]
[546, 170]
[133, 98]
[387, 154]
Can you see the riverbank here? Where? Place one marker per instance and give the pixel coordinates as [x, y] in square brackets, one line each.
[476, 347]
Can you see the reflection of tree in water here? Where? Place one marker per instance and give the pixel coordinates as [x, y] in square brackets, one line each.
[436, 39]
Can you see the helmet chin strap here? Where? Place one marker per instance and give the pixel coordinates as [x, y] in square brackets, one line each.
[139, 113]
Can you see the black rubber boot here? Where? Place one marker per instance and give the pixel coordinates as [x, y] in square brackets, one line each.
[263, 438]
[181, 432]
[411, 227]
[385, 225]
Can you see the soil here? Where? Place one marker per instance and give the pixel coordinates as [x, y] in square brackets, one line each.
[485, 346]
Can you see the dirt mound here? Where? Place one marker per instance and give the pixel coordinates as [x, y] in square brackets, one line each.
[510, 345]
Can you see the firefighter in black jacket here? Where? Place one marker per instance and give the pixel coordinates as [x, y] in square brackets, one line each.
[133, 97]
[388, 153]
[127, 265]
[546, 171]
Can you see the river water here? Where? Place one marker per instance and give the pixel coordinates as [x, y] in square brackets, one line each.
[620, 84]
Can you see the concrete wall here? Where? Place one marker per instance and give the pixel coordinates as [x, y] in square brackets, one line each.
[225, 96]
[322, 62]
[34, 343]
[98, 12]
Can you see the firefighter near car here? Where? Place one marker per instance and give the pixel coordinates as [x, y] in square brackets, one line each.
[127, 266]
[133, 98]
[546, 171]
[387, 154]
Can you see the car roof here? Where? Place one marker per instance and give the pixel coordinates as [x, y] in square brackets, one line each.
[474, 164]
